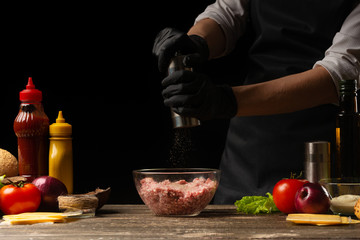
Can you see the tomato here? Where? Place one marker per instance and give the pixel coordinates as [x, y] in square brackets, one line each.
[284, 194]
[18, 199]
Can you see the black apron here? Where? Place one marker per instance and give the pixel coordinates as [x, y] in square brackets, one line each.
[290, 36]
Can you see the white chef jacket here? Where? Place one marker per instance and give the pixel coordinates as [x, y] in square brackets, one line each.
[341, 60]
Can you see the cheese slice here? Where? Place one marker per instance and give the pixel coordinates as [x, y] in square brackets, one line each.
[34, 217]
[319, 219]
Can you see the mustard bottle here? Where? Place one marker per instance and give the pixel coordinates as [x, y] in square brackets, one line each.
[60, 152]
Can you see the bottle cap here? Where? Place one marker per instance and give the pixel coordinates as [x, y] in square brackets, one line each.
[30, 94]
[60, 128]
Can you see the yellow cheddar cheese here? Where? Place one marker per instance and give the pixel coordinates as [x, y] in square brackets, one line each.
[319, 219]
[34, 217]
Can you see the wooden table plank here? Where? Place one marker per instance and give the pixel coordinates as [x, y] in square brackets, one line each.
[215, 222]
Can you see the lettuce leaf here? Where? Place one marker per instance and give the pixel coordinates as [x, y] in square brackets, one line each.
[256, 204]
[2, 178]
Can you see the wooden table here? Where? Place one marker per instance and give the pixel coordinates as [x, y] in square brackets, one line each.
[215, 222]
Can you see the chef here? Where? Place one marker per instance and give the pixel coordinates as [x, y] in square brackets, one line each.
[300, 51]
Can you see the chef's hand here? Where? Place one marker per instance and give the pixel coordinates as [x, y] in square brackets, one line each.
[194, 95]
[169, 41]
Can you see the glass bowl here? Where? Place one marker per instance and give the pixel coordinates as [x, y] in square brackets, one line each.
[176, 191]
[344, 193]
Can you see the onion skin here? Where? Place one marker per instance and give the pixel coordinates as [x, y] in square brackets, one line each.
[50, 189]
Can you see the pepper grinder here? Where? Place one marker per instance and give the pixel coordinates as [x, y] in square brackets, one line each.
[317, 160]
[179, 121]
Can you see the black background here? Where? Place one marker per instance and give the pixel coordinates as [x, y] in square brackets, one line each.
[94, 62]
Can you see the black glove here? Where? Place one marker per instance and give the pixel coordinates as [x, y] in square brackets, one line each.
[192, 94]
[169, 41]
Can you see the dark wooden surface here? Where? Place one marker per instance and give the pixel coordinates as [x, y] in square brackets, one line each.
[215, 222]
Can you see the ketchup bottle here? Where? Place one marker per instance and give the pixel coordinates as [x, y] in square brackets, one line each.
[31, 127]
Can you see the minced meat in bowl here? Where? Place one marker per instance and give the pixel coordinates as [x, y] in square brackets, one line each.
[176, 191]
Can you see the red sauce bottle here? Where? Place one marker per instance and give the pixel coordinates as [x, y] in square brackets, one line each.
[31, 127]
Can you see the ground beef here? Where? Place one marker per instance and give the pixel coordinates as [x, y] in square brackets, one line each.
[177, 198]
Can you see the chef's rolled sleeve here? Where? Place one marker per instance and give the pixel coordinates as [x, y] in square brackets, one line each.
[342, 59]
[232, 18]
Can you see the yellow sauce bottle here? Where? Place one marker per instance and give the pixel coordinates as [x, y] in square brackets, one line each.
[60, 153]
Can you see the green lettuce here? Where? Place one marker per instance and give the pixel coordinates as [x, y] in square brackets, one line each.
[256, 204]
[2, 178]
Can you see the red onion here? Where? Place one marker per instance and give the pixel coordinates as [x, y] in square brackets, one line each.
[50, 189]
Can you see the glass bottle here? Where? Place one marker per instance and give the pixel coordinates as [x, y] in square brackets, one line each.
[347, 156]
